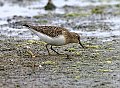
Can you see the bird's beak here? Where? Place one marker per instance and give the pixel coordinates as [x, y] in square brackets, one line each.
[81, 44]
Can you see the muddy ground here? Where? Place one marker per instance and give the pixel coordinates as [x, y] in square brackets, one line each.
[95, 67]
[25, 63]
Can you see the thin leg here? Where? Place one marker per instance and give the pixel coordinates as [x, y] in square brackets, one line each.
[47, 49]
[81, 44]
[59, 53]
[54, 50]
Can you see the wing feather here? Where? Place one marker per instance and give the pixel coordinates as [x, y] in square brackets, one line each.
[52, 31]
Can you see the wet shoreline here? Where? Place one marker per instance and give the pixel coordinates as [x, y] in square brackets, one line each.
[24, 61]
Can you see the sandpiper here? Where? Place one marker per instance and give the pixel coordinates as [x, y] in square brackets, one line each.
[54, 36]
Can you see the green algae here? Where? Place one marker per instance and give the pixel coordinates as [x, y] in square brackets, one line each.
[71, 49]
[77, 14]
[98, 10]
[93, 46]
[48, 63]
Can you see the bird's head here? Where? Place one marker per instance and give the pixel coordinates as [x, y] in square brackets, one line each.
[76, 38]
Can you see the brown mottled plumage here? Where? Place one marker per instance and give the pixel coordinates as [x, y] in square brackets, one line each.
[51, 31]
[53, 35]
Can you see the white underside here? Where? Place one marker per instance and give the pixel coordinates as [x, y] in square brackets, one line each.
[59, 40]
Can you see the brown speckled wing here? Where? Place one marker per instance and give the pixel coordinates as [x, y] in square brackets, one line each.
[51, 31]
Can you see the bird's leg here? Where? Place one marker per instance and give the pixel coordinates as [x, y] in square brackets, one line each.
[81, 44]
[47, 49]
[54, 50]
[59, 53]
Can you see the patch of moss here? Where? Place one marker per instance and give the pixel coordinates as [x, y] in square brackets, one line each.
[48, 63]
[37, 16]
[98, 10]
[109, 61]
[117, 5]
[111, 49]
[77, 77]
[71, 49]
[41, 42]
[42, 21]
[71, 14]
[94, 47]
[117, 13]
[76, 14]
[31, 42]
[31, 53]
[78, 53]
[104, 70]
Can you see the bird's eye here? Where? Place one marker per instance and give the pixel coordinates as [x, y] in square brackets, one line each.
[76, 35]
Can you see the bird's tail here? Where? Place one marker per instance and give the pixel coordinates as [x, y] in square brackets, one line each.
[23, 23]
[26, 25]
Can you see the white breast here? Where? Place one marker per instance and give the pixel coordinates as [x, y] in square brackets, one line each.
[59, 40]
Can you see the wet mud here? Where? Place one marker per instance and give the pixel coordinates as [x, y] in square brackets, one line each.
[25, 63]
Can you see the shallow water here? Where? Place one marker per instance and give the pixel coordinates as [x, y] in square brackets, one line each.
[10, 9]
[36, 7]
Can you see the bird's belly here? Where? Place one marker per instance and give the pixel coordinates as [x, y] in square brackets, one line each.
[59, 40]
